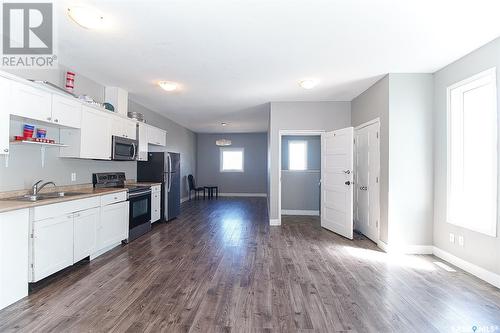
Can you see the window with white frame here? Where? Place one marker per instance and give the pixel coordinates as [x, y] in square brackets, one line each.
[297, 155]
[232, 159]
[472, 153]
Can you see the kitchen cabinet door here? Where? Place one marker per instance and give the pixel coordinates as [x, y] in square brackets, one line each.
[123, 128]
[95, 140]
[5, 93]
[113, 225]
[85, 233]
[157, 136]
[30, 102]
[14, 234]
[52, 246]
[142, 137]
[155, 206]
[66, 111]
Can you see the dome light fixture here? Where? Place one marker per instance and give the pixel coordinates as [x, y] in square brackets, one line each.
[87, 17]
[223, 142]
[168, 85]
[308, 84]
[223, 124]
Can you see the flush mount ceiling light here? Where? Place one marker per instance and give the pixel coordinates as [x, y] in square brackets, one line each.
[168, 85]
[223, 142]
[223, 124]
[308, 84]
[87, 17]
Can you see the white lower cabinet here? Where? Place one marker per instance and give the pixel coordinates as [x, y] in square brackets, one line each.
[14, 233]
[52, 246]
[155, 203]
[113, 225]
[85, 233]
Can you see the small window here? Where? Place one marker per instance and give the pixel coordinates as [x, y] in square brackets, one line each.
[472, 153]
[232, 159]
[297, 155]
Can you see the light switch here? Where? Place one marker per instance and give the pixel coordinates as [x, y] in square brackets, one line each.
[452, 238]
[461, 241]
[73, 176]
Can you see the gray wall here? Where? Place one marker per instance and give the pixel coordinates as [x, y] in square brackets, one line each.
[252, 180]
[371, 104]
[317, 116]
[179, 140]
[479, 249]
[24, 161]
[300, 189]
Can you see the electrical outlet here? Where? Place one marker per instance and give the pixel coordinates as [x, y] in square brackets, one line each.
[452, 238]
[461, 241]
[73, 176]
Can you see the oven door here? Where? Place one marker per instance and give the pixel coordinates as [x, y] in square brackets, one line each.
[124, 149]
[140, 208]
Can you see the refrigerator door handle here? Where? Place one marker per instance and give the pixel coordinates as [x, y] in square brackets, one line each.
[169, 172]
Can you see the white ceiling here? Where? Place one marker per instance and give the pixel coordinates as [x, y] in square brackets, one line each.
[233, 56]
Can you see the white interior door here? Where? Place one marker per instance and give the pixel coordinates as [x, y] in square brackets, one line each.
[366, 193]
[337, 182]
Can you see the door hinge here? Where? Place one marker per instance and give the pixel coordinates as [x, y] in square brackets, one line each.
[377, 179]
[32, 266]
[31, 236]
[377, 135]
[376, 223]
[354, 141]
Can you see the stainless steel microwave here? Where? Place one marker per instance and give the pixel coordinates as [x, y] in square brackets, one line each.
[124, 149]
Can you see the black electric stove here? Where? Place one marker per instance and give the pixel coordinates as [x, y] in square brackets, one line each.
[139, 198]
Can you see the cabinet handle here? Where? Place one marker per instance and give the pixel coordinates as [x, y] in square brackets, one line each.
[49, 118]
[6, 150]
[56, 120]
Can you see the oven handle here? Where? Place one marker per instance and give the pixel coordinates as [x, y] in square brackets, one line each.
[137, 194]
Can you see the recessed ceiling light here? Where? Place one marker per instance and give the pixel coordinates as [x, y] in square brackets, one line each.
[87, 17]
[223, 124]
[168, 85]
[308, 84]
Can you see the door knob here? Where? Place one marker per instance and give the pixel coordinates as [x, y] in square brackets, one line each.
[348, 183]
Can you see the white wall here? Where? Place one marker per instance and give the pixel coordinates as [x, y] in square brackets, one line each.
[479, 249]
[326, 116]
[371, 104]
[410, 159]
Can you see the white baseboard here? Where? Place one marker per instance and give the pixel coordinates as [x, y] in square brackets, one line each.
[274, 222]
[483, 274]
[406, 249]
[300, 212]
[243, 194]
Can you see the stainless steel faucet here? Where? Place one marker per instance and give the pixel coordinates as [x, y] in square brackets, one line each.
[37, 188]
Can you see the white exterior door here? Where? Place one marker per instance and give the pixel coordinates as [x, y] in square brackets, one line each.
[337, 182]
[366, 193]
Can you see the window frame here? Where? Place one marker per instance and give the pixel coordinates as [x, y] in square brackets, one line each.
[221, 159]
[491, 76]
[290, 142]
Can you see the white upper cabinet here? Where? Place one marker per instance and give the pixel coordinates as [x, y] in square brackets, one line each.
[66, 111]
[156, 136]
[123, 128]
[30, 102]
[93, 140]
[5, 86]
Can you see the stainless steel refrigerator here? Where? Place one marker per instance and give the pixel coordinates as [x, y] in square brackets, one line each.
[164, 168]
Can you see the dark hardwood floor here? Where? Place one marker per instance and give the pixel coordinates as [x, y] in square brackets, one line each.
[220, 267]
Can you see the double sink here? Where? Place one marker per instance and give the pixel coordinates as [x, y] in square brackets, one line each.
[44, 196]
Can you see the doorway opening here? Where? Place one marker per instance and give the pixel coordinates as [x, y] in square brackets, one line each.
[300, 174]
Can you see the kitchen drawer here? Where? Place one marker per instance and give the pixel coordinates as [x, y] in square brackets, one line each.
[112, 198]
[63, 208]
[156, 188]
